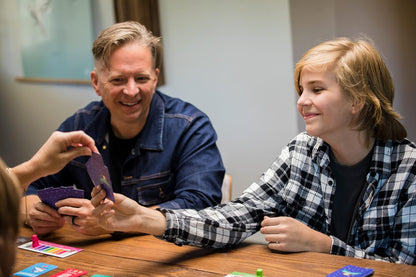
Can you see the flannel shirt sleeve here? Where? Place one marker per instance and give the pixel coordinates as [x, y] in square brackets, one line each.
[227, 225]
[218, 227]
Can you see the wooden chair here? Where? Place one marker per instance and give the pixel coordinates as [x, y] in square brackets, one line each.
[226, 188]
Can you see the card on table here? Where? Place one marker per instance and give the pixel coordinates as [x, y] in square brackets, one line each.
[259, 273]
[351, 270]
[99, 174]
[51, 195]
[49, 248]
[70, 272]
[35, 270]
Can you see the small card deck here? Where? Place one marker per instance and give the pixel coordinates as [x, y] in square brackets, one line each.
[51, 195]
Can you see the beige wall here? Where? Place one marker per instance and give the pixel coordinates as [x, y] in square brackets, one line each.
[233, 59]
[230, 58]
[30, 112]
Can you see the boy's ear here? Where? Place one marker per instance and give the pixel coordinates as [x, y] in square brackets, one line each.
[357, 106]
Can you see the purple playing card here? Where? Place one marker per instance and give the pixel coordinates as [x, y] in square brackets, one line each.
[50, 196]
[99, 174]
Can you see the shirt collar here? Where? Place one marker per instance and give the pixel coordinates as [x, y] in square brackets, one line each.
[97, 128]
[152, 133]
[380, 164]
[381, 161]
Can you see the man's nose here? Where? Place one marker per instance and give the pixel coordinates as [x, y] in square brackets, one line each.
[131, 88]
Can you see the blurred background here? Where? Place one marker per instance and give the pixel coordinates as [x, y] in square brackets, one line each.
[233, 59]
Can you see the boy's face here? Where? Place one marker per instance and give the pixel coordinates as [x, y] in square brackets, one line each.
[327, 111]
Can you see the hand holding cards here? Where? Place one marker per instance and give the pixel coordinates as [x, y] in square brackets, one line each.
[99, 174]
[51, 195]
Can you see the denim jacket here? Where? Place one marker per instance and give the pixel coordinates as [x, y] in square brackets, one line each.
[175, 164]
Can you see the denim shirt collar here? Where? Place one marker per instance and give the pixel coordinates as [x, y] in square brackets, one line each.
[152, 134]
[98, 127]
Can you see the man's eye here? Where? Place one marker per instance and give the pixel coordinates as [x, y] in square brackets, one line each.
[142, 79]
[117, 81]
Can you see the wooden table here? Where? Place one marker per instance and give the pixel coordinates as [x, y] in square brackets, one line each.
[145, 255]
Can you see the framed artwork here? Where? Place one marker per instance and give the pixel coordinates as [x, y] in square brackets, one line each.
[56, 37]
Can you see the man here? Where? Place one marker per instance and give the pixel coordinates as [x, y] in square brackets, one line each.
[161, 151]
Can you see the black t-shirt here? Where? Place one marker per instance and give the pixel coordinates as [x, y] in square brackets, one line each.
[349, 181]
[119, 150]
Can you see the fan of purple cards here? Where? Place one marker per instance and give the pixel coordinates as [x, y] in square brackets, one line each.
[50, 196]
[99, 174]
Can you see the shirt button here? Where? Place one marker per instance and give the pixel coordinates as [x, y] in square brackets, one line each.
[161, 193]
[133, 152]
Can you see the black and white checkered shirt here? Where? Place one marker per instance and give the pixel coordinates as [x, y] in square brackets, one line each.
[299, 184]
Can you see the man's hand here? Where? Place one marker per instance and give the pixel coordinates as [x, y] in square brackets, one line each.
[43, 218]
[126, 215]
[78, 213]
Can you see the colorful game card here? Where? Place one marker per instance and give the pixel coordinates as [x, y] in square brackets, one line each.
[99, 174]
[70, 272]
[49, 248]
[50, 196]
[35, 270]
[351, 270]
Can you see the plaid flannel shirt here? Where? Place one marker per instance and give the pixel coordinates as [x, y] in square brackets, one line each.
[299, 184]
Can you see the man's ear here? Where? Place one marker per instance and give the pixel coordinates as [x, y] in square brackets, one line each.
[157, 71]
[94, 82]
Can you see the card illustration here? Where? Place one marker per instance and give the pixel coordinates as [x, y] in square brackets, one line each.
[99, 174]
[35, 270]
[49, 248]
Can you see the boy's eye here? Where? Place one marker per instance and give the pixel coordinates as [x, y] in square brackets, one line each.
[317, 89]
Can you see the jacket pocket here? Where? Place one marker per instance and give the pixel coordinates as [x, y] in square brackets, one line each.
[155, 190]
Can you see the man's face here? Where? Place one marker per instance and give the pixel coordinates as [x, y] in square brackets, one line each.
[127, 87]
